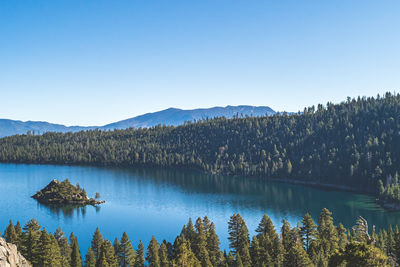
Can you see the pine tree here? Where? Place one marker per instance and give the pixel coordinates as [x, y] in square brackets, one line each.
[65, 248]
[358, 254]
[266, 227]
[230, 259]
[327, 233]
[139, 260]
[183, 255]
[200, 244]
[76, 259]
[342, 237]
[97, 241]
[239, 262]
[286, 235]
[255, 252]
[153, 257]
[30, 247]
[107, 253]
[307, 231]
[49, 253]
[126, 255]
[116, 246]
[213, 245]
[18, 231]
[90, 259]
[297, 256]
[239, 238]
[163, 252]
[10, 235]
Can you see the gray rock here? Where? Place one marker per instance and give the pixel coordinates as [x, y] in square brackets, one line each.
[10, 257]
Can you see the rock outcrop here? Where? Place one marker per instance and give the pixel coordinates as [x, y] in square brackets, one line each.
[64, 193]
[10, 257]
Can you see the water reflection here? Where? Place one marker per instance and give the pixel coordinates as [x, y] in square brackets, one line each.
[68, 210]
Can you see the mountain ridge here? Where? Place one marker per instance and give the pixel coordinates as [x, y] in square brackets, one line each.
[170, 117]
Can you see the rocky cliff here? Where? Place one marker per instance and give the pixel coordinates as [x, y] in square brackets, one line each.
[10, 257]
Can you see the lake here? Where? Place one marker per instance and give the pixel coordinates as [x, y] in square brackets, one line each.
[147, 201]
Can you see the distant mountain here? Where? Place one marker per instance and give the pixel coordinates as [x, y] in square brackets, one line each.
[171, 116]
[11, 127]
[174, 116]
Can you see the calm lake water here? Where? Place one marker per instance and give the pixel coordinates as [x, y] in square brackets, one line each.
[145, 202]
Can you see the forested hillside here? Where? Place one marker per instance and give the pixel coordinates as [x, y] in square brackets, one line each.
[306, 245]
[355, 143]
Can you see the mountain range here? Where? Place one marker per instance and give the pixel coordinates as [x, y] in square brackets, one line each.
[169, 117]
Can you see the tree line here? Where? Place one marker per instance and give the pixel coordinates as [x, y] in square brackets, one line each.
[306, 244]
[355, 144]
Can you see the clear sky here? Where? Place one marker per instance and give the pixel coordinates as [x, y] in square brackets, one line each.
[95, 62]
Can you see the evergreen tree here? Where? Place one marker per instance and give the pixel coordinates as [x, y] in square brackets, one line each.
[153, 257]
[18, 231]
[358, 254]
[213, 249]
[239, 238]
[183, 255]
[10, 235]
[327, 240]
[266, 226]
[49, 253]
[97, 242]
[307, 231]
[65, 248]
[163, 254]
[76, 259]
[30, 247]
[107, 253]
[286, 235]
[200, 244]
[139, 260]
[90, 259]
[126, 255]
[297, 256]
[116, 246]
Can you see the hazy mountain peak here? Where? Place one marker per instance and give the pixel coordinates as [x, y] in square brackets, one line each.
[171, 116]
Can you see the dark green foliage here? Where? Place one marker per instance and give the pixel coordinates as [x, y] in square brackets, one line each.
[329, 244]
[126, 253]
[107, 253]
[307, 231]
[63, 193]
[163, 254]
[10, 235]
[297, 256]
[358, 254]
[97, 241]
[76, 259]
[49, 253]
[239, 238]
[153, 257]
[90, 259]
[65, 248]
[139, 260]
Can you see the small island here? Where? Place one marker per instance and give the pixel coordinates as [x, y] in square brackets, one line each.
[64, 192]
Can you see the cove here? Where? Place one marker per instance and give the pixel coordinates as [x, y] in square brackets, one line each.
[150, 201]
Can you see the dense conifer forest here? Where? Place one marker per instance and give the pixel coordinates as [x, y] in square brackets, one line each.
[306, 244]
[355, 144]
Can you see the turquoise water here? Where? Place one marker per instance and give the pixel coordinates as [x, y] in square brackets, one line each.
[145, 202]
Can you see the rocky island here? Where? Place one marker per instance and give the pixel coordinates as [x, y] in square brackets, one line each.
[64, 192]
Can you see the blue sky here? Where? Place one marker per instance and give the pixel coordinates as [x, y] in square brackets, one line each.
[95, 62]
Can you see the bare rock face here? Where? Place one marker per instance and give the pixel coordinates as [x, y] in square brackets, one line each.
[10, 257]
